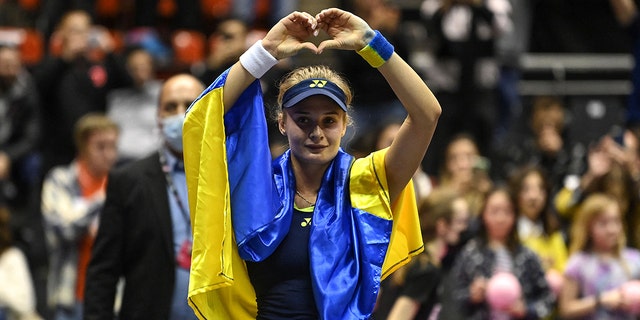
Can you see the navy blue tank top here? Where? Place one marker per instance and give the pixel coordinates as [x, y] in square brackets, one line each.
[283, 281]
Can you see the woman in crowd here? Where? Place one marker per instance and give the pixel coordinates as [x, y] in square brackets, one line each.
[538, 226]
[466, 171]
[496, 249]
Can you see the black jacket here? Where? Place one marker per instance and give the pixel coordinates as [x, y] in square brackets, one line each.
[134, 241]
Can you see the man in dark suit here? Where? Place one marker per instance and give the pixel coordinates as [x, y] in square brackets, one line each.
[144, 234]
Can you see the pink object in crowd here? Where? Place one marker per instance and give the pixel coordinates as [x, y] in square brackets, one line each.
[503, 290]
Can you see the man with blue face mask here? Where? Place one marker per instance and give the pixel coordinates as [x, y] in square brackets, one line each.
[145, 231]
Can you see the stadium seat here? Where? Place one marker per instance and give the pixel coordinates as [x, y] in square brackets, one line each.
[29, 41]
[188, 46]
[108, 8]
[215, 8]
[29, 5]
[166, 8]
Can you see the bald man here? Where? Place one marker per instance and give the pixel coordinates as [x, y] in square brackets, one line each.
[144, 234]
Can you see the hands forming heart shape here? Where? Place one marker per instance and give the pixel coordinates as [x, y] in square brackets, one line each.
[292, 33]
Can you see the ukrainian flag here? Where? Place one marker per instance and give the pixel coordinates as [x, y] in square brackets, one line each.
[228, 167]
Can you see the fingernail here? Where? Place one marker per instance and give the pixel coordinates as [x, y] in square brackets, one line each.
[315, 32]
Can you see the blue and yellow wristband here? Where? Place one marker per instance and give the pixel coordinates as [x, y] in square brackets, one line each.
[378, 51]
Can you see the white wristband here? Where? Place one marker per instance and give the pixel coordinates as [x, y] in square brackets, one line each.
[257, 60]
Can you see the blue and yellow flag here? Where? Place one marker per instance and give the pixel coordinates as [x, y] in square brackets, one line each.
[228, 168]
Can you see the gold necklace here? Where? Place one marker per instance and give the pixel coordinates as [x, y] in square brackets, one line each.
[304, 199]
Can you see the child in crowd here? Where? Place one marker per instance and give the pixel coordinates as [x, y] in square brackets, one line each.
[599, 263]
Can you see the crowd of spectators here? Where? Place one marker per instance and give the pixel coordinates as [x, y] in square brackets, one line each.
[63, 60]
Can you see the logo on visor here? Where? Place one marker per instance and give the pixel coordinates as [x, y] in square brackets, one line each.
[318, 84]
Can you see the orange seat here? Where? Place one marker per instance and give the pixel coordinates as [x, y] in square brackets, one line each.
[29, 5]
[118, 40]
[188, 46]
[215, 8]
[108, 8]
[55, 44]
[166, 8]
[263, 9]
[29, 41]
[32, 47]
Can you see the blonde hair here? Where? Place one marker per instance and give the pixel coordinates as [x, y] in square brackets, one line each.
[592, 207]
[90, 124]
[310, 72]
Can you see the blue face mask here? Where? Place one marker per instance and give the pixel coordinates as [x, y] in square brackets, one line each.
[172, 131]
